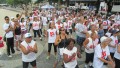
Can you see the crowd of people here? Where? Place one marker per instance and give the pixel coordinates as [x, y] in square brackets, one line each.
[95, 33]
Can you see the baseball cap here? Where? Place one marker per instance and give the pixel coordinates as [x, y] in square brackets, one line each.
[102, 39]
[114, 31]
[27, 35]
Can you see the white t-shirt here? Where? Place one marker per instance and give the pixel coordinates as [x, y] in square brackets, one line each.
[36, 25]
[10, 33]
[113, 42]
[69, 24]
[51, 35]
[58, 26]
[73, 62]
[12, 23]
[44, 20]
[23, 25]
[31, 56]
[91, 45]
[65, 25]
[117, 55]
[105, 24]
[100, 53]
[31, 19]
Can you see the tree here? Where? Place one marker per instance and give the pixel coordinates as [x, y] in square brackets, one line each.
[2, 1]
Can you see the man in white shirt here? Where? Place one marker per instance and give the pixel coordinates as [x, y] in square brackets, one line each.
[29, 50]
[9, 36]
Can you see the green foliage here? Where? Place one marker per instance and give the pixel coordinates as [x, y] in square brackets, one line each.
[2, 1]
[17, 2]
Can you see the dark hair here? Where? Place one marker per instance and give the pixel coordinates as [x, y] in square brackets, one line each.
[22, 19]
[6, 17]
[49, 25]
[60, 30]
[100, 25]
[69, 40]
[17, 15]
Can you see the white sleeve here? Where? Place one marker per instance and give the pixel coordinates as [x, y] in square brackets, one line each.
[108, 52]
[5, 27]
[97, 51]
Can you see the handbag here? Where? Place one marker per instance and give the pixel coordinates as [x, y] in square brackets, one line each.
[4, 38]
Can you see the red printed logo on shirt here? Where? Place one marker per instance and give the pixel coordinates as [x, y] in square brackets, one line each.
[116, 41]
[35, 24]
[59, 26]
[51, 34]
[104, 23]
[92, 46]
[103, 54]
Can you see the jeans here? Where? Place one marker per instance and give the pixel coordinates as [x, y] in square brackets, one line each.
[36, 32]
[10, 45]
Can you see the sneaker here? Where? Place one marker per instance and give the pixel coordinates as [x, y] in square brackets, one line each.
[48, 57]
[85, 66]
[10, 56]
[90, 66]
[40, 38]
[17, 49]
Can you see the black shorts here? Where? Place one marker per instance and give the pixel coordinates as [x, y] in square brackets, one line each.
[117, 63]
[89, 57]
[26, 64]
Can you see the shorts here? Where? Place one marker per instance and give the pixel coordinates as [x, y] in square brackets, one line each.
[80, 40]
[89, 57]
[59, 57]
[26, 64]
[18, 37]
[45, 27]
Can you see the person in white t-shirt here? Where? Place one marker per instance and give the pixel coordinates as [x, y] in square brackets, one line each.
[69, 23]
[44, 21]
[29, 50]
[23, 25]
[9, 36]
[113, 43]
[51, 34]
[117, 56]
[36, 27]
[89, 44]
[102, 54]
[31, 21]
[58, 25]
[70, 54]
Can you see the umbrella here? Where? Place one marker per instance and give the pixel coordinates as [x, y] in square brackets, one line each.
[47, 7]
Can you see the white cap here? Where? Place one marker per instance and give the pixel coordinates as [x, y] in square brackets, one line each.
[28, 35]
[108, 34]
[102, 39]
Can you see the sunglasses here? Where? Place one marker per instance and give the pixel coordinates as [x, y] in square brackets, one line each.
[6, 19]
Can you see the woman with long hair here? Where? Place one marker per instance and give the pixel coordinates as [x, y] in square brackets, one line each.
[60, 41]
[17, 33]
[51, 34]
